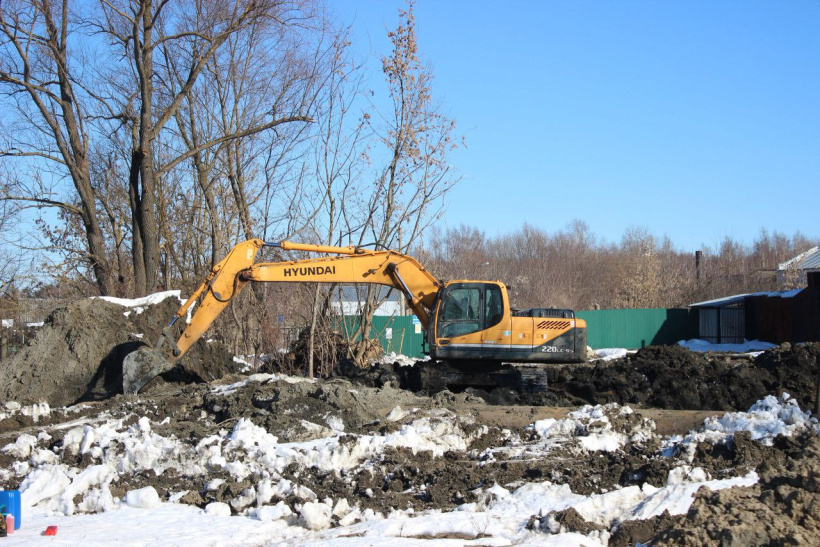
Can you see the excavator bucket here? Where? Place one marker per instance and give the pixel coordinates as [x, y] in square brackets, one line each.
[140, 367]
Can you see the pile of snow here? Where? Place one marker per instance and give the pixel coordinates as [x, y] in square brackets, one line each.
[51, 486]
[50, 482]
[34, 411]
[593, 427]
[507, 510]
[401, 360]
[146, 498]
[139, 304]
[600, 428]
[259, 378]
[609, 354]
[246, 361]
[765, 420]
[753, 346]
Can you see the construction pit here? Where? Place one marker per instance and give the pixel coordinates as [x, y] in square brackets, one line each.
[664, 446]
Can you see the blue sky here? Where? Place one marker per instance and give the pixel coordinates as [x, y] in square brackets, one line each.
[697, 120]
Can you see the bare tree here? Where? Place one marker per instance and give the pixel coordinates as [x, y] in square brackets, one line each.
[10, 261]
[163, 40]
[416, 139]
[37, 78]
[340, 146]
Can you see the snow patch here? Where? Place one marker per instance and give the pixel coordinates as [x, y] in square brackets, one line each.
[592, 428]
[401, 360]
[259, 379]
[218, 509]
[748, 346]
[316, 515]
[609, 354]
[145, 498]
[139, 304]
[765, 420]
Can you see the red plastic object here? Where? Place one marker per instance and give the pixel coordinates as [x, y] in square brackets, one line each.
[9, 524]
[50, 531]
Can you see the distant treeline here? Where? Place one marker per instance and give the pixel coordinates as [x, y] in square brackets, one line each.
[574, 268]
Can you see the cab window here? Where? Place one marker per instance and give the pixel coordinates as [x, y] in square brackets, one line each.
[494, 306]
[460, 312]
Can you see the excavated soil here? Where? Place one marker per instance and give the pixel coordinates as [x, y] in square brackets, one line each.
[664, 377]
[77, 354]
[673, 377]
[782, 509]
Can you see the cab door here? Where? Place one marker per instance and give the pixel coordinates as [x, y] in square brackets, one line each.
[495, 338]
[459, 322]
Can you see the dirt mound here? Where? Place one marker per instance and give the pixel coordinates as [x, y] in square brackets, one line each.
[673, 377]
[298, 411]
[77, 354]
[793, 369]
[780, 510]
[669, 377]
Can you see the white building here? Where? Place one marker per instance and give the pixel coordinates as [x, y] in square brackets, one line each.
[794, 271]
[348, 300]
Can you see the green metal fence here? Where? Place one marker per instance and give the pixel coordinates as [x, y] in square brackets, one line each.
[401, 334]
[633, 329]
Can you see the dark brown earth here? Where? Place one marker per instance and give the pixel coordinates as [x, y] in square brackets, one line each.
[665, 377]
[673, 377]
[782, 509]
[77, 356]
[787, 496]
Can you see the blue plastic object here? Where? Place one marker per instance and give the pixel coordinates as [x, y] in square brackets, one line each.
[10, 503]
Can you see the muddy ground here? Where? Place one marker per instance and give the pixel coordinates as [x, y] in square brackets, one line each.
[77, 357]
[787, 496]
[667, 377]
[77, 354]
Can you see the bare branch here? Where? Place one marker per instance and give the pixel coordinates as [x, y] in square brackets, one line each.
[39, 203]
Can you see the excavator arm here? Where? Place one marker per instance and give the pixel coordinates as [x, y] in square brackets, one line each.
[229, 276]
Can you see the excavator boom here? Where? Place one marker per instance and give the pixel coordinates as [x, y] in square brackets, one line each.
[229, 276]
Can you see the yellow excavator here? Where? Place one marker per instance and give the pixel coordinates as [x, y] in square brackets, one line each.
[469, 324]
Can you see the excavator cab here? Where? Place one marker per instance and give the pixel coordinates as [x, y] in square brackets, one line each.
[468, 307]
[472, 320]
[465, 312]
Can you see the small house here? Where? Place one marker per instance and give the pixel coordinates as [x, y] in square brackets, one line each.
[776, 317]
[794, 272]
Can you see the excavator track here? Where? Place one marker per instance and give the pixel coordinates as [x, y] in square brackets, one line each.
[433, 377]
[531, 379]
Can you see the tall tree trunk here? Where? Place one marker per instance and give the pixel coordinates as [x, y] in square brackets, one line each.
[203, 178]
[136, 229]
[236, 177]
[312, 332]
[143, 158]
